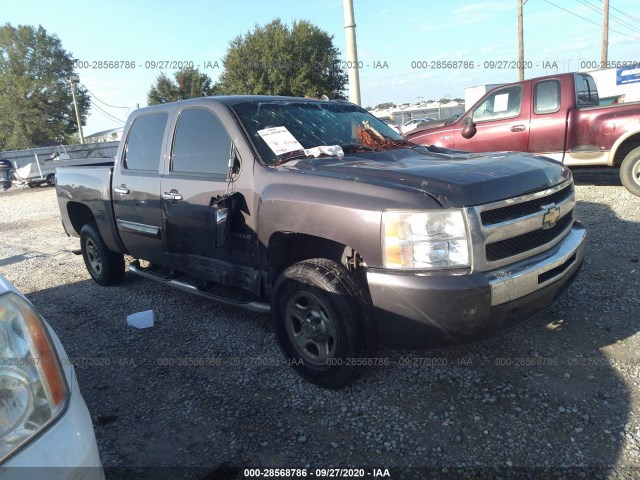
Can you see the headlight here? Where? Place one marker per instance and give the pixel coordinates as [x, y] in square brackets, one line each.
[33, 389]
[424, 240]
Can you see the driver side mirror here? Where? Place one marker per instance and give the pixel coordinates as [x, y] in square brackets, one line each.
[234, 162]
[469, 129]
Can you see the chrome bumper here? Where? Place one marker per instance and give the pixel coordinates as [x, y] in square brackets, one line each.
[523, 278]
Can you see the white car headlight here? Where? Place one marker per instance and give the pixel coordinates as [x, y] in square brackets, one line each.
[33, 388]
[425, 240]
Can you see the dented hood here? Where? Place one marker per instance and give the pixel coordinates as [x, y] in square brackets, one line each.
[455, 180]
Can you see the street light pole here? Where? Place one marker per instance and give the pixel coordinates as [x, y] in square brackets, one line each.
[76, 79]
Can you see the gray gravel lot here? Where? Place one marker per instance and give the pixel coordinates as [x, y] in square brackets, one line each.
[207, 386]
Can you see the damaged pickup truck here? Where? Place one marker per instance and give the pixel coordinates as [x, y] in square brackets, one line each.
[319, 213]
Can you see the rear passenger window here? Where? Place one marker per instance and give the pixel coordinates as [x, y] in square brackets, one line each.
[144, 145]
[547, 96]
[201, 143]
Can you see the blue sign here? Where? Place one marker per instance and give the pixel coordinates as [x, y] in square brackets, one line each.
[626, 75]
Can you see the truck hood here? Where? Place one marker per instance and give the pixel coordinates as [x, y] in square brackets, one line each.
[454, 179]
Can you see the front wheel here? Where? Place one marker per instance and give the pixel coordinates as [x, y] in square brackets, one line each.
[323, 322]
[630, 171]
[104, 266]
[51, 179]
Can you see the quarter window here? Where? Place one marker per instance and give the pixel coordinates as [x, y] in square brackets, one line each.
[504, 103]
[547, 96]
[144, 145]
[201, 143]
[586, 91]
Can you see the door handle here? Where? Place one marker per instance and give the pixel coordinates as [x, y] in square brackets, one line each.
[172, 196]
[517, 128]
[122, 190]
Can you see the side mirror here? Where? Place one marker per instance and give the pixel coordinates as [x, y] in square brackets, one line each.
[234, 162]
[469, 129]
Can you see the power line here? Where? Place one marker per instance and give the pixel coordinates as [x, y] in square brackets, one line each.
[590, 21]
[105, 112]
[614, 17]
[624, 13]
[104, 103]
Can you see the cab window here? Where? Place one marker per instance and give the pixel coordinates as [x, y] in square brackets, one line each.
[586, 91]
[503, 103]
[144, 143]
[201, 144]
[547, 96]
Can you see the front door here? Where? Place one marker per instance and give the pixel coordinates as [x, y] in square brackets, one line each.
[197, 206]
[502, 124]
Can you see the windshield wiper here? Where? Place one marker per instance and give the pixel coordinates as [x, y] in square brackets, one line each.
[298, 154]
[287, 157]
[357, 146]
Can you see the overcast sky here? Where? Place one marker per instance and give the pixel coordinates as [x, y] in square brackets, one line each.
[399, 33]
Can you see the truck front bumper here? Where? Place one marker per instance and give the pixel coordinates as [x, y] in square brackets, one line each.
[418, 310]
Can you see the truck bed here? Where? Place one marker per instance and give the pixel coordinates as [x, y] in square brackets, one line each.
[50, 166]
[91, 187]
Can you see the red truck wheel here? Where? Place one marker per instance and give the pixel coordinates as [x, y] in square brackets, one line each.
[630, 171]
[323, 322]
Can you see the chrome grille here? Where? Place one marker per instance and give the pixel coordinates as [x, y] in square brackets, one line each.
[511, 230]
[510, 212]
[527, 241]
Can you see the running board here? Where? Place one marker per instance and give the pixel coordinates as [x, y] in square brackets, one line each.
[219, 294]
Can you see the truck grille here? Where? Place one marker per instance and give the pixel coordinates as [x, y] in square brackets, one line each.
[528, 241]
[511, 212]
[511, 230]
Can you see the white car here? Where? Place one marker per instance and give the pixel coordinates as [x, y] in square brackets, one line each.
[413, 124]
[45, 427]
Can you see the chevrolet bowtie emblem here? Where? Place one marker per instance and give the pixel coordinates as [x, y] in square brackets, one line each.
[551, 216]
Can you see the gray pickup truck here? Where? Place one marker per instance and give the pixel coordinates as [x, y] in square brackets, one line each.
[319, 213]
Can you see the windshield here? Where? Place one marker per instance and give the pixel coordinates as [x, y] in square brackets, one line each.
[280, 128]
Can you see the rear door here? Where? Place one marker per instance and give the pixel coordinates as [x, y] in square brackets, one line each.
[548, 119]
[136, 187]
[194, 227]
[502, 122]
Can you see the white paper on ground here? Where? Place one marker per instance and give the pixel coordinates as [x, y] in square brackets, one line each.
[141, 319]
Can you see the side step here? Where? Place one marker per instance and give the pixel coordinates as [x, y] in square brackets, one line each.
[219, 294]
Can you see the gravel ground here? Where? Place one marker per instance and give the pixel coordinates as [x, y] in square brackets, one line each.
[557, 395]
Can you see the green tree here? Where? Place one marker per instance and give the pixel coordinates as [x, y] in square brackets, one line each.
[278, 60]
[385, 105]
[187, 83]
[36, 106]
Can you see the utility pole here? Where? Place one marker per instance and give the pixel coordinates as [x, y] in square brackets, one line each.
[604, 52]
[520, 41]
[352, 52]
[76, 79]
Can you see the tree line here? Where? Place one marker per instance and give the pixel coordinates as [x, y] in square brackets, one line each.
[36, 106]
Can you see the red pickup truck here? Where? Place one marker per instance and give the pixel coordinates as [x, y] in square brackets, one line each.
[558, 116]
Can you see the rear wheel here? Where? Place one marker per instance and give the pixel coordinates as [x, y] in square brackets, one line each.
[630, 171]
[104, 266]
[323, 322]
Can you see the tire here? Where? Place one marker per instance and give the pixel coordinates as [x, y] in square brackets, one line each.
[630, 171]
[323, 321]
[104, 266]
[51, 179]
[32, 185]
